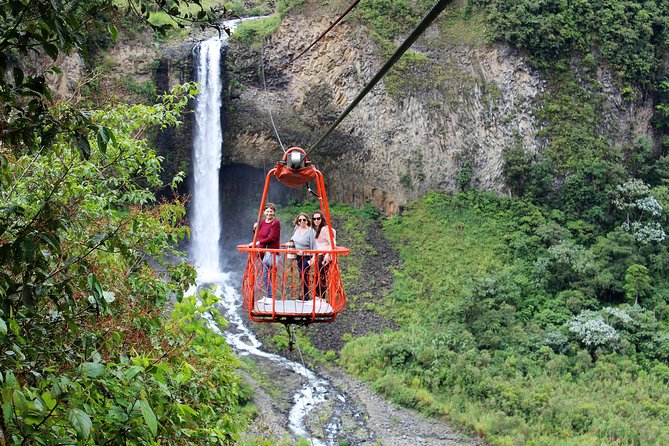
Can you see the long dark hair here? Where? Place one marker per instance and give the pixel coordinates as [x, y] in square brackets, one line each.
[320, 225]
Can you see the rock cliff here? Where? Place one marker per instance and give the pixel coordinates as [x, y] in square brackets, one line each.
[445, 128]
[439, 121]
[392, 147]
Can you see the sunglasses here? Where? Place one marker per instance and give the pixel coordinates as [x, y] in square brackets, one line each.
[302, 219]
[316, 218]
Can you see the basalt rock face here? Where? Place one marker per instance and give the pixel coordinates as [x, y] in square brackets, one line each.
[175, 143]
[440, 125]
[445, 129]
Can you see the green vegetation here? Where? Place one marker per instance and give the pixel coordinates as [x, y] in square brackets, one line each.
[580, 167]
[537, 319]
[90, 353]
[147, 90]
[101, 343]
[462, 26]
[180, 13]
[543, 319]
[241, 8]
[630, 35]
[411, 71]
[253, 32]
[513, 327]
[405, 180]
[388, 20]
[285, 6]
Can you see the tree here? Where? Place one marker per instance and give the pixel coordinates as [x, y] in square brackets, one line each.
[88, 261]
[29, 118]
[592, 331]
[516, 169]
[566, 265]
[642, 211]
[87, 256]
[631, 35]
[637, 283]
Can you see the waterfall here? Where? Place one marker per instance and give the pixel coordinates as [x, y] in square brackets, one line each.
[205, 253]
[208, 139]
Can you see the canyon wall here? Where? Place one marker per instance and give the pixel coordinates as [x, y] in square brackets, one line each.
[439, 123]
[443, 129]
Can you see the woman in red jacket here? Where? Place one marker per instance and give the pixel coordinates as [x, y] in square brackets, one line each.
[269, 235]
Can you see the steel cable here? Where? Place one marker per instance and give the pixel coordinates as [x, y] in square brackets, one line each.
[422, 26]
[326, 31]
[269, 110]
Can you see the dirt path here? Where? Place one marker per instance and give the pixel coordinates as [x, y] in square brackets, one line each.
[358, 415]
[352, 414]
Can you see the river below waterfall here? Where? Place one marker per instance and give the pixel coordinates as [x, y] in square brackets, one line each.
[325, 407]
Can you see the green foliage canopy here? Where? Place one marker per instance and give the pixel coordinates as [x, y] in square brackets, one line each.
[631, 35]
[513, 326]
[47, 30]
[89, 260]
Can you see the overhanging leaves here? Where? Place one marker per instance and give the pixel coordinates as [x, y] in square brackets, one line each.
[149, 416]
[81, 422]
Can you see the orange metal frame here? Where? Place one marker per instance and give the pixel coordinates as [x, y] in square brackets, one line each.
[289, 305]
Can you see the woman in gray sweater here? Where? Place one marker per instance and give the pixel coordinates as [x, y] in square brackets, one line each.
[304, 237]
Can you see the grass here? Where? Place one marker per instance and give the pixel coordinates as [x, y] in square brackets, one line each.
[254, 32]
[161, 18]
[408, 73]
[460, 27]
[452, 247]
[521, 392]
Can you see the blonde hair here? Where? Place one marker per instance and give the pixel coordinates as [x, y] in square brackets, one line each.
[272, 206]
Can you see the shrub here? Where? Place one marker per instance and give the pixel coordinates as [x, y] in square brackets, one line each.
[99, 357]
[564, 265]
[254, 32]
[516, 168]
[590, 329]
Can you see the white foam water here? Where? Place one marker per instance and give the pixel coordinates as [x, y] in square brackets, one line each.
[205, 250]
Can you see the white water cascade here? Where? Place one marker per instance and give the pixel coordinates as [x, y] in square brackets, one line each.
[205, 220]
[205, 250]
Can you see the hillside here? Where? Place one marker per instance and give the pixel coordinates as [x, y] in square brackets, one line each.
[445, 118]
[503, 193]
[535, 318]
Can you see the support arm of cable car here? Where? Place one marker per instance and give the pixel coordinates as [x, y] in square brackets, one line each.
[273, 290]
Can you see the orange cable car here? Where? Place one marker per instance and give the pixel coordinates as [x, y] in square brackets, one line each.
[275, 292]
